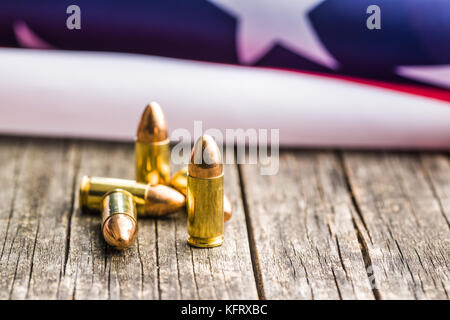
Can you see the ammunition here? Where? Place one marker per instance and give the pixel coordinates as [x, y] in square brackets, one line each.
[179, 182]
[119, 225]
[204, 200]
[154, 201]
[152, 152]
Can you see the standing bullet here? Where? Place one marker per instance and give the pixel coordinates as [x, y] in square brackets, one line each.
[204, 200]
[152, 152]
[154, 201]
[119, 225]
[179, 182]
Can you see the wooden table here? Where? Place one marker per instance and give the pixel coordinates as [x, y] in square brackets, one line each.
[329, 225]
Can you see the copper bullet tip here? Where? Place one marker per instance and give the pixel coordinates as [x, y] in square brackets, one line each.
[119, 231]
[206, 161]
[162, 200]
[152, 125]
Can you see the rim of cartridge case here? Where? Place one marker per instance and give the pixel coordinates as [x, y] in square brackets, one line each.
[206, 242]
[167, 141]
[84, 191]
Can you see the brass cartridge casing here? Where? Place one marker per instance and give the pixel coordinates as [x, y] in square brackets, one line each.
[204, 200]
[154, 201]
[119, 224]
[152, 147]
[179, 182]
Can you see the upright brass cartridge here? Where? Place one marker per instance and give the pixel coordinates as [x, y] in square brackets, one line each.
[119, 224]
[152, 151]
[154, 201]
[179, 182]
[204, 200]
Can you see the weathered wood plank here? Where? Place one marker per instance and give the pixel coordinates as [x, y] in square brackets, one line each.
[302, 226]
[403, 231]
[306, 229]
[34, 247]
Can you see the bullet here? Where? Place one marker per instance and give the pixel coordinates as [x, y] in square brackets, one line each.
[153, 201]
[119, 224]
[152, 152]
[179, 182]
[204, 200]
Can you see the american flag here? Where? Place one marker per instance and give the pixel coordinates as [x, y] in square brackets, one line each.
[409, 52]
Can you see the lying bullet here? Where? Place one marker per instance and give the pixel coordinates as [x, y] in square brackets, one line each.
[119, 224]
[152, 152]
[154, 201]
[179, 182]
[204, 200]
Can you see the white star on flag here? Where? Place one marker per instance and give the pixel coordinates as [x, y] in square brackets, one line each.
[438, 75]
[264, 23]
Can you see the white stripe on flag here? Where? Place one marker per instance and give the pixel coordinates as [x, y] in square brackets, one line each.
[101, 95]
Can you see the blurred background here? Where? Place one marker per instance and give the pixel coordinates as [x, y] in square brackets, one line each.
[339, 73]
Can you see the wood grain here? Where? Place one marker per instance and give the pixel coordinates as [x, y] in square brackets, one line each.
[303, 231]
[38, 191]
[403, 229]
[329, 225]
[50, 250]
[437, 171]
